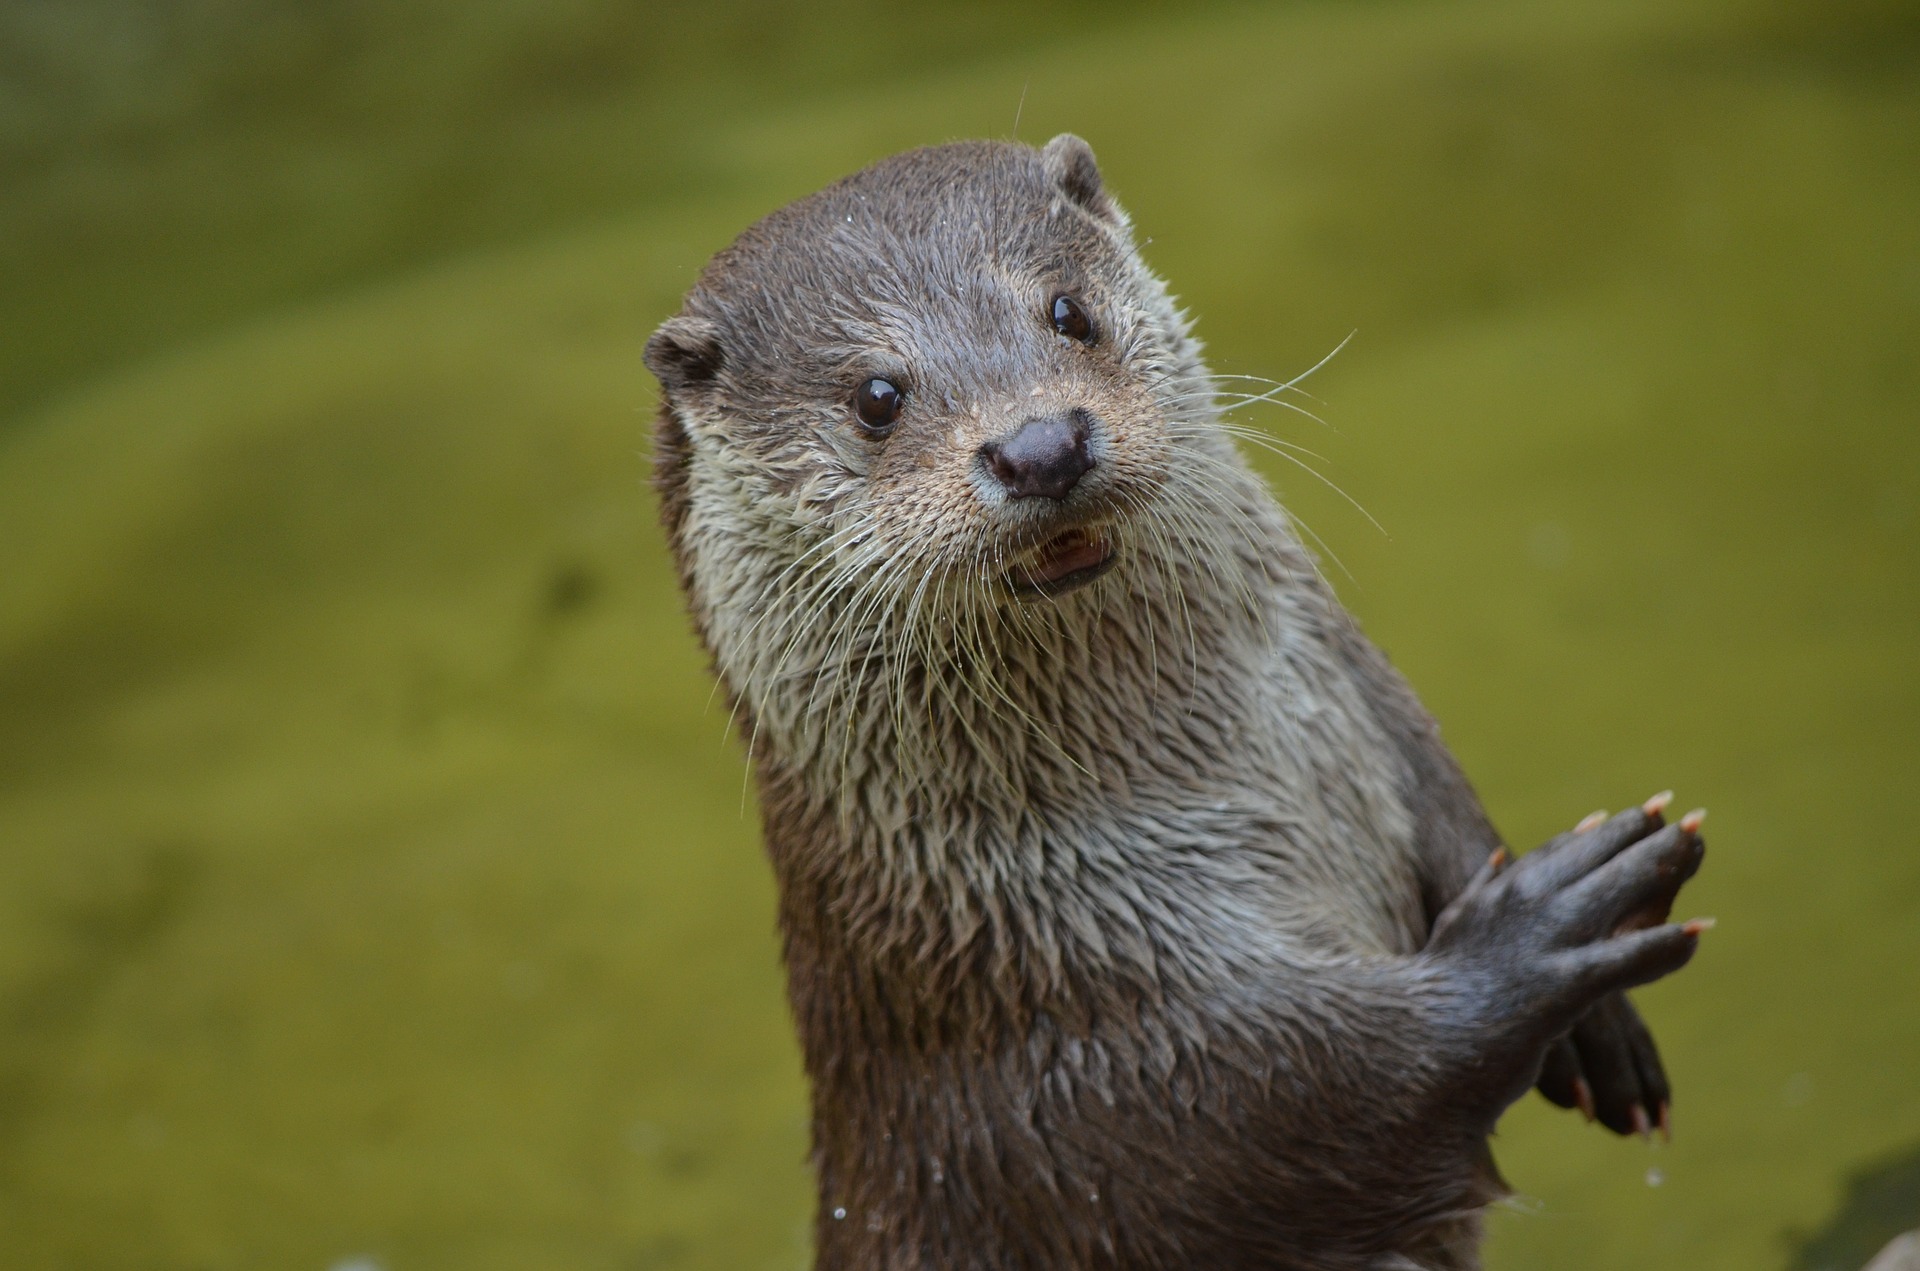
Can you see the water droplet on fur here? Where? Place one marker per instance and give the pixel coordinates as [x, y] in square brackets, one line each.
[839, 1214]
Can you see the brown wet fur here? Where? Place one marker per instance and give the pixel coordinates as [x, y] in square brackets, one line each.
[1109, 921]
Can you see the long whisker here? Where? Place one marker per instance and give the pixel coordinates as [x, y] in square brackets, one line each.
[1268, 444]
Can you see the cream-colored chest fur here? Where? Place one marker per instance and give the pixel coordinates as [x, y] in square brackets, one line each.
[1173, 757]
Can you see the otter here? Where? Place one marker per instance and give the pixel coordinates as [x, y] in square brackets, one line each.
[1134, 914]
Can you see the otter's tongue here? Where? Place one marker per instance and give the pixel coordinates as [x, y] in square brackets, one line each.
[1068, 554]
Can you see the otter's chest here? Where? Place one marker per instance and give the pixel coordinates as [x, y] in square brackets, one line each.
[1272, 825]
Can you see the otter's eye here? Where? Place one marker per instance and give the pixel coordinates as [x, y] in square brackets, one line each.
[877, 402]
[1070, 320]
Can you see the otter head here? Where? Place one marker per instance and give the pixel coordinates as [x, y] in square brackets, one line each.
[933, 420]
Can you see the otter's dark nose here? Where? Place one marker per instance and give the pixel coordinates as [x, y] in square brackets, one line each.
[1044, 457]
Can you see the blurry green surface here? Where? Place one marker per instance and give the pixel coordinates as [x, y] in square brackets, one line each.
[168, 168]
[1881, 1199]
[374, 879]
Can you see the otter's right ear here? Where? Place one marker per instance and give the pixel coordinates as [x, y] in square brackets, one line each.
[1070, 163]
[684, 352]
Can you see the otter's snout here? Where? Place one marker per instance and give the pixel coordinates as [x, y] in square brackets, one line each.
[1044, 457]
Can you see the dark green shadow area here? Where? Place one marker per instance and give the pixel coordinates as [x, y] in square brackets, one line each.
[1881, 1200]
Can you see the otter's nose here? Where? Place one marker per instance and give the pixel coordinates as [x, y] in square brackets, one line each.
[1044, 457]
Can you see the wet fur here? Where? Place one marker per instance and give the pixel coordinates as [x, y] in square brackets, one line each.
[1102, 915]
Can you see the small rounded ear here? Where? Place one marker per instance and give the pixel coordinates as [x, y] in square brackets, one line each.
[1071, 165]
[684, 352]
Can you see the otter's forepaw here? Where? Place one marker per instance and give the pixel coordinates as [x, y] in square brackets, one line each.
[1609, 1068]
[1536, 943]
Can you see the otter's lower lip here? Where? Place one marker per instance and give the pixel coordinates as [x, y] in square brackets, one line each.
[1062, 564]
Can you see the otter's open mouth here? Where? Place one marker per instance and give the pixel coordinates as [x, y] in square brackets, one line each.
[1061, 564]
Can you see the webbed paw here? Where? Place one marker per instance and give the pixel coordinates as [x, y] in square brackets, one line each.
[1542, 947]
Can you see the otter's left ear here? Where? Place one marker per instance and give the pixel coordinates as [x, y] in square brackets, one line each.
[684, 352]
[1070, 162]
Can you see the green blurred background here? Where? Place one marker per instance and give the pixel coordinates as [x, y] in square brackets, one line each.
[378, 887]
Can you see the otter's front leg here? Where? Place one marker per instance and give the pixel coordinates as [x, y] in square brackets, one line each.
[1607, 1065]
[1387, 1075]
[1535, 947]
